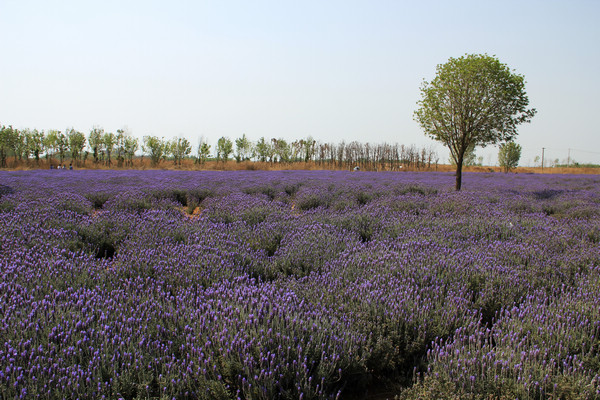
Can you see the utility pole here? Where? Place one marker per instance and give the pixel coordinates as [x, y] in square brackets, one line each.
[543, 148]
[569, 158]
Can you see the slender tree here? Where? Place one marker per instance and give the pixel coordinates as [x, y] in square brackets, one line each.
[7, 139]
[76, 141]
[35, 144]
[203, 152]
[243, 148]
[309, 148]
[19, 144]
[155, 148]
[109, 140]
[95, 141]
[262, 149]
[62, 146]
[51, 143]
[180, 148]
[120, 147]
[282, 150]
[224, 148]
[509, 155]
[131, 145]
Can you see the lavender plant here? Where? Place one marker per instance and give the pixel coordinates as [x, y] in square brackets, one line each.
[304, 284]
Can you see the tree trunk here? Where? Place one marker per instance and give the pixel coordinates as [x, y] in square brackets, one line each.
[459, 173]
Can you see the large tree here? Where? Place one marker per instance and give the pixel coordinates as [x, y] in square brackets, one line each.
[474, 100]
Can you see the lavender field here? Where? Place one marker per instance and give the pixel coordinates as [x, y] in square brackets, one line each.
[289, 285]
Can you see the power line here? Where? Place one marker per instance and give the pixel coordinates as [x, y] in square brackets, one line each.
[554, 149]
[585, 151]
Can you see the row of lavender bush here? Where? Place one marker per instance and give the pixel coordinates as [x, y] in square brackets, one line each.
[287, 285]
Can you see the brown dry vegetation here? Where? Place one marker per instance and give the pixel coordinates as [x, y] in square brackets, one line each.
[189, 165]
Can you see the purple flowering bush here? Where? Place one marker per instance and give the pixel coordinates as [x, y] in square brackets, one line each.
[298, 284]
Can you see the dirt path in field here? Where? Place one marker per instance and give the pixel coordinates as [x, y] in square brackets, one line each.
[194, 215]
[95, 213]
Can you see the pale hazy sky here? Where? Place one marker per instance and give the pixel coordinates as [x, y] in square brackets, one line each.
[335, 70]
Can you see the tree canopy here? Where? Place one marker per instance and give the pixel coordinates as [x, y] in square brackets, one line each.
[474, 100]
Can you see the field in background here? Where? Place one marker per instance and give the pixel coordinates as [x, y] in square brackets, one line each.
[298, 284]
[189, 165]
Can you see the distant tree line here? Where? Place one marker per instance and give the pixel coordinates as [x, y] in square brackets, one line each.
[381, 156]
[54, 146]
[121, 148]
